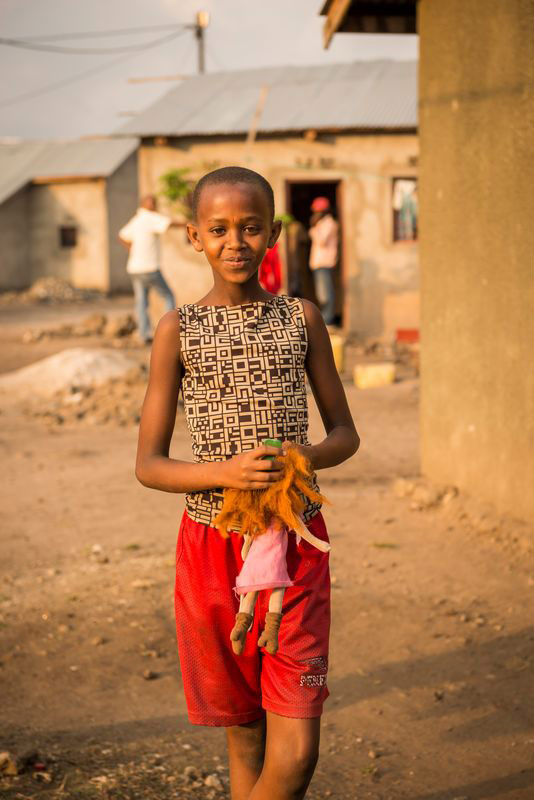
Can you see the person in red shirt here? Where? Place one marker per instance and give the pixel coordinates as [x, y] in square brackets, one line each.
[270, 274]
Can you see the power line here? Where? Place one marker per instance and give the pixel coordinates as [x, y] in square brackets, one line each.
[57, 37]
[82, 51]
[86, 74]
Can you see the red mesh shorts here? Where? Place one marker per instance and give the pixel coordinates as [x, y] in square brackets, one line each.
[220, 687]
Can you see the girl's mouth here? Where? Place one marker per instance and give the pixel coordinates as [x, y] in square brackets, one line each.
[236, 263]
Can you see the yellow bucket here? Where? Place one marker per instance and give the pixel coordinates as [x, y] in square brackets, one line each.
[338, 349]
[370, 376]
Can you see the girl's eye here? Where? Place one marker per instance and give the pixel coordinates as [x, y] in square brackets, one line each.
[217, 231]
[253, 229]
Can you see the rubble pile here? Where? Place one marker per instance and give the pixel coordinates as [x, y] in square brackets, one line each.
[118, 401]
[49, 289]
[70, 369]
[94, 325]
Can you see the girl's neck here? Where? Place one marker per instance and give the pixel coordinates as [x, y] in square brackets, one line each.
[234, 294]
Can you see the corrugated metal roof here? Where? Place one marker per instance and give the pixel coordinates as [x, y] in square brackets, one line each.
[363, 94]
[22, 162]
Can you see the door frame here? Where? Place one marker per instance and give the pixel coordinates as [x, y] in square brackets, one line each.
[340, 199]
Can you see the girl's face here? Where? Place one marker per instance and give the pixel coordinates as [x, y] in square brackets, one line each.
[234, 227]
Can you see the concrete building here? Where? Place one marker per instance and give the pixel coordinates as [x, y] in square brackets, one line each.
[476, 111]
[61, 204]
[346, 131]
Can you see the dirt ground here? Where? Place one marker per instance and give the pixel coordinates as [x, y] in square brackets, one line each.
[432, 642]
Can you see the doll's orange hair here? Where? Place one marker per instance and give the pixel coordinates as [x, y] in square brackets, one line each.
[252, 511]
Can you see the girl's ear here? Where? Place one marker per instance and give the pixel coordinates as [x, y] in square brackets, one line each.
[192, 232]
[275, 233]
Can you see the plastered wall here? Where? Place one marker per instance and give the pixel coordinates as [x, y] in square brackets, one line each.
[477, 247]
[81, 203]
[380, 276]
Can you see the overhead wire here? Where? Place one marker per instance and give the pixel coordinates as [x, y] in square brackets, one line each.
[79, 51]
[87, 73]
[56, 37]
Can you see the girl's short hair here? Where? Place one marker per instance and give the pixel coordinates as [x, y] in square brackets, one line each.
[233, 175]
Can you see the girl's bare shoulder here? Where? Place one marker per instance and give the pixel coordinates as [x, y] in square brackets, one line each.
[167, 335]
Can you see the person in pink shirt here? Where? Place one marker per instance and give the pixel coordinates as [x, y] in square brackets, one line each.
[324, 235]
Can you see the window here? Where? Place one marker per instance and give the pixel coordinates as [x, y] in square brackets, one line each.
[68, 235]
[404, 202]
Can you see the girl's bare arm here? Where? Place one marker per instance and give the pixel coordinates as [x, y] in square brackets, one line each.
[342, 439]
[154, 468]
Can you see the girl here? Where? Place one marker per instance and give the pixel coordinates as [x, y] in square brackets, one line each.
[240, 355]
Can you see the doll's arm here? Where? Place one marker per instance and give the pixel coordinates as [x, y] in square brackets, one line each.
[303, 531]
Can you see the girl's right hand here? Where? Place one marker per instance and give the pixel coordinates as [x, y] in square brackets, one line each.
[251, 470]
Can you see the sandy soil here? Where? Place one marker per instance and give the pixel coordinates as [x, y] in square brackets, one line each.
[431, 653]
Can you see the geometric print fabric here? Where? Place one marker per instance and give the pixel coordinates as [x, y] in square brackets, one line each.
[243, 381]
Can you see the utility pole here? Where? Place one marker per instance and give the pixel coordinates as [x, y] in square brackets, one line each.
[202, 22]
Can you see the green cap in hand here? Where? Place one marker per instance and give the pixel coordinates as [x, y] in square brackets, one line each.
[272, 443]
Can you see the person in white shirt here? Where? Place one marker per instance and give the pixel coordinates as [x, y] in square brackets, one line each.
[324, 235]
[141, 238]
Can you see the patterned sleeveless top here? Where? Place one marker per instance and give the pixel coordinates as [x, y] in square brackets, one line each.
[244, 381]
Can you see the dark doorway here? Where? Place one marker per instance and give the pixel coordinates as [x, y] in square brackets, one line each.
[299, 197]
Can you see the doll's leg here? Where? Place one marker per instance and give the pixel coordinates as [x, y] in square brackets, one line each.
[247, 542]
[243, 621]
[273, 618]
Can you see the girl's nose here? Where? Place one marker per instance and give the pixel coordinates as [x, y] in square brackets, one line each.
[235, 238]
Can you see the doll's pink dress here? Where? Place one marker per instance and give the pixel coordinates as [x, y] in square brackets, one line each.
[265, 566]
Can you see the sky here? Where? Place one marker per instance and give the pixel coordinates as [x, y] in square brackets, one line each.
[67, 95]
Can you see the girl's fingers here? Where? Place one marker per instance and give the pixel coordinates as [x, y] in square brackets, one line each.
[268, 466]
[267, 450]
[265, 477]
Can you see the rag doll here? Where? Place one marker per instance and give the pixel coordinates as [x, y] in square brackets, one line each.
[264, 518]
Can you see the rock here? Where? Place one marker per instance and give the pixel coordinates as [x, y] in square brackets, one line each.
[97, 641]
[373, 754]
[191, 773]
[99, 780]
[424, 497]
[98, 555]
[402, 487]
[150, 675]
[214, 782]
[29, 337]
[72, 369]
[93, 325]
[74, 399]
[120, 326]
[42, 776]
[485, 524]
[450, 493]
[143, 583]
[439, 694]
[7, 765]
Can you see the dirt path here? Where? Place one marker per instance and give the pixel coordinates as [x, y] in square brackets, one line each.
[431, 661]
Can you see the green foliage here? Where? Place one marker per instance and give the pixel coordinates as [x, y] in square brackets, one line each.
[177, 188]
[285, 219]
